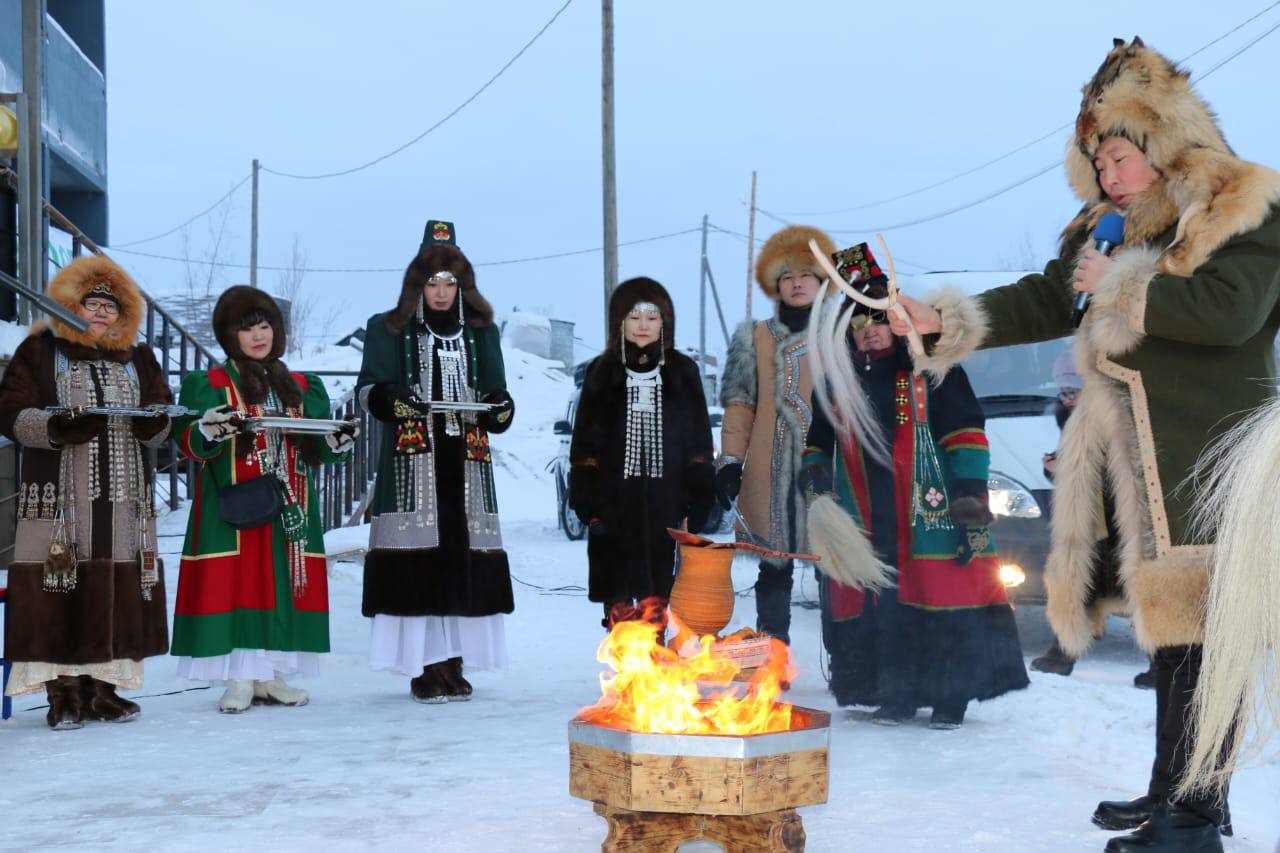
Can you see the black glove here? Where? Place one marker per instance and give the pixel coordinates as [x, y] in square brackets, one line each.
[67, 428]
[696, 518]
[145, 429]
[498, 420]
[814, 481]
[393, 402]
[596, 527]
[970, 504]
[700, 493]
[728, 483]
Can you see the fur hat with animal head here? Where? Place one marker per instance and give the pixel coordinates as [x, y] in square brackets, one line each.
[1139, 95]
[439, 253]
[629, 294]
[788, 251]
[97, 275]
[239, 308]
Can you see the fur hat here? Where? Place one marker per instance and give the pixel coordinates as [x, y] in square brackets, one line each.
[1140, 95]
[100, 276]
[788, 251]
[624, 298]
[431, 259]
[233, 306]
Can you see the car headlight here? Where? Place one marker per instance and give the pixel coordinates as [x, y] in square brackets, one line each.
[1010, 498]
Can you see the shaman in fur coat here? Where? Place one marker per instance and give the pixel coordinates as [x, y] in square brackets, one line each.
[1177, 345]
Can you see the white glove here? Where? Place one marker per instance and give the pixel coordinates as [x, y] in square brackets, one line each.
[216, 424]
[342, 440]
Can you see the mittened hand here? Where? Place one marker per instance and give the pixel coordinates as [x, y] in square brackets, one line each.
[67, 428]
[728, 484]
[971, 511]
[145, 429]
[392, 402]
[498, 419]
[343, 439]
[217, 425]
[814, 481]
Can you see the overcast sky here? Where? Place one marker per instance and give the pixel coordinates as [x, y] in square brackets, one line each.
[836, 104]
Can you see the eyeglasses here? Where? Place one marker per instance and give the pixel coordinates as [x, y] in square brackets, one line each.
[106, 306]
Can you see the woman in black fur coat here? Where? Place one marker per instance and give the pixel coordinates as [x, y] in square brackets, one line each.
[641, 457]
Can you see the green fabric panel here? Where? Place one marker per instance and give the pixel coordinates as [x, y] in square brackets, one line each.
[222, 633]
[967, 464]
[1217, 305]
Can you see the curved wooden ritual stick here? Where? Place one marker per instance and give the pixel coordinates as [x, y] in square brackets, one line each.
[889, 303]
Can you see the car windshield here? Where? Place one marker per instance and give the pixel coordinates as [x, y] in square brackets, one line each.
[1019, 375]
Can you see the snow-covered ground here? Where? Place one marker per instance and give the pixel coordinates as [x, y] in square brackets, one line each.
[363, 767]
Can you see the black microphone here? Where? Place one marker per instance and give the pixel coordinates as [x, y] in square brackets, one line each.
[1108, 234]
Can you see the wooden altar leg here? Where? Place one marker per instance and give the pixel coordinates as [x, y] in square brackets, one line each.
[771, 832]
[659, 832]
[646, 832]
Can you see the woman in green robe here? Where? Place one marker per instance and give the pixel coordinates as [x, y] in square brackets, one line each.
[253, 604]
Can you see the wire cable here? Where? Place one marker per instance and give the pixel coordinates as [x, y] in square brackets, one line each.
[1033, 142]
[435, 126]
[268, 268]
[204, 212]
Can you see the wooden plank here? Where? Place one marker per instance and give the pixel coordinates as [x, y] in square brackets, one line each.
[690, 784]
[598, 774]
[785, 781]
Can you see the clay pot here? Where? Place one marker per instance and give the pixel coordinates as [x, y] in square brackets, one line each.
[702, 597]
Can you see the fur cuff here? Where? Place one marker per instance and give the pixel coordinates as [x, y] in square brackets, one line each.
[1169, 596]
[1117, 311]
[31, 429]
[964, 328]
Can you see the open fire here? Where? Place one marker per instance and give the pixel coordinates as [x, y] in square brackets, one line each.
[654, 689]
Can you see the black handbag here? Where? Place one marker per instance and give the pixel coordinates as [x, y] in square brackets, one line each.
[251, 504]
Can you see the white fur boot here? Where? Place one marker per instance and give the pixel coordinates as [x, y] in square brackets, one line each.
[236, 698]
[276, 692]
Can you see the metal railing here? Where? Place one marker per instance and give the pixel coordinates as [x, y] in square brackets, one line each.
[342, 488]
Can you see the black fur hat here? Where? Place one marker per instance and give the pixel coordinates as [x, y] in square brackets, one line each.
[431, 259]
[624, 298]
[234, 305]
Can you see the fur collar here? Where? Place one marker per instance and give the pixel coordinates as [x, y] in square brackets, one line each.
[74, 282]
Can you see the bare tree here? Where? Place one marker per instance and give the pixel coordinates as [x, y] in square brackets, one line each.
[202, 275]
[302, 304]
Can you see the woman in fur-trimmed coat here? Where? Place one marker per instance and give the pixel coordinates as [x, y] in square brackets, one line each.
[86, 591]
[436, 580]
[641, 455]
[1176, 347]
[253, 604]
[765, 392]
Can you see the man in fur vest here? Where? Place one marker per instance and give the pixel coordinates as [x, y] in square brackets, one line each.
[765, 393]
[1175, 348]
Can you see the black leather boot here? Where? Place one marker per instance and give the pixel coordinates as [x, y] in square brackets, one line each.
[1171, 829]
[1054, 661]
[1124, 814]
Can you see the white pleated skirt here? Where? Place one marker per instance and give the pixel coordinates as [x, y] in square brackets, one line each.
[250, 665]
[406, 644]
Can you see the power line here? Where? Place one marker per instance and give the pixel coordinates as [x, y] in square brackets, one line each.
[204, 212]
[1028, 178]
[1035, 141]
[232, 265]
[438, 124]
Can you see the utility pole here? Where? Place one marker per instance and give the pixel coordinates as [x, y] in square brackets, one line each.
[751, 242]
[609, 165]
[702, 308]
[31, 180]
[253, 231]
